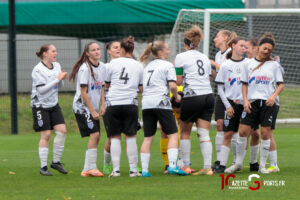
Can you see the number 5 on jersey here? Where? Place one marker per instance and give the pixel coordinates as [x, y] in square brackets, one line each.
[124, 76]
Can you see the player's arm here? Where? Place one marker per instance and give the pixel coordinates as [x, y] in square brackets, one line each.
[271, 100]
[102, 109]
[173, 89]
[247, 105]
[42, 89]
[87, 102]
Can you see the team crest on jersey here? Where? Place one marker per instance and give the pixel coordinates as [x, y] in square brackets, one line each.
[244, 114]
[90, 125]
[40, 123]
[226, 122]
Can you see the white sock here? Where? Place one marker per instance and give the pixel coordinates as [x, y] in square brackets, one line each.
[86, 163]
[273, 158]
[224, 155]
[58, 146]
[172, 155]
[132, 153]
[91, 159]
[240, 150]
[107, 158]
[115, 151]
[145, 158]
[233, 145]
[43, 153]
[206, 149]
[264, 152]
[219, 141]
[254, 153]
[185, 149]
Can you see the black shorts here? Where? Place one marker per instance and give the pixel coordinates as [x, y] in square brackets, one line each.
[193, 108]
[106, 122]
[46, 118]
[165, 117]
[219, 109]
[232, 124]
[275, 117]
[260, 114]
[87, 125]
[122, 119]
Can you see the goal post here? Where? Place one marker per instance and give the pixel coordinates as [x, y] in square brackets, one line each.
[284, 24]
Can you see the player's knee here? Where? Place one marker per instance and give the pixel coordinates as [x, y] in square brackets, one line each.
[60, 138]
[203, 134]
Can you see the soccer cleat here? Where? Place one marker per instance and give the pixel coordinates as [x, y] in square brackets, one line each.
[233, 168]
[107, 169]
[146, 174]
[166, 169]
[134, 174]
[220, 169]
[95, 173]
[263, 170]
[207, 171]
[45, 172]
[115, 174]
[176, 170]
[58, 166]
[139, 169]
[254, 167]
[187, 169]
[84, 174]
[273, 169]
[216, 165]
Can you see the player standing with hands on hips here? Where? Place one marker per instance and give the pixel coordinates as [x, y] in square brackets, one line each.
[47, 76]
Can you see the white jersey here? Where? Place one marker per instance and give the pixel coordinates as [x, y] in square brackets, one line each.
[196, 71]
[124, 75]
[263, 81]
[221, 56]
[157, 75]
[41, 76]
[84, 78]
[230, 75]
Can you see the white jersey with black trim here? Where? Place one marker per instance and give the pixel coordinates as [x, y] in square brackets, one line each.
[230, 75]
[196, 71]
[42, 75]
[262, 82]
[156, 92]
[84, 78]
[220, 57]
[124, 75]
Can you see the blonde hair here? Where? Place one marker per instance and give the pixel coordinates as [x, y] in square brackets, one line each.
[152, 48]
[229, 34]
[193, 37]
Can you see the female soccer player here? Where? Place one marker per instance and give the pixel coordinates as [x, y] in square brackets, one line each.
[221, 41]
[123, 80]
[193, 69]
[90, 74]
[47, 76]
[159, 76]
[230, 91]
[260, 77]
[114, 50]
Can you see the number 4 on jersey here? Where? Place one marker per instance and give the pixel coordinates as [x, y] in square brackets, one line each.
[124, 76]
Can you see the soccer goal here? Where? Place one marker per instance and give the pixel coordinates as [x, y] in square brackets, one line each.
[284, 24]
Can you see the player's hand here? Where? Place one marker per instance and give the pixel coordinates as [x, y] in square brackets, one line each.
[62, 75]
[230, 112]
[102, 110]
[236, 101]
[213, 63]
[270, 101]
[178, 98]
[247, 106]
[95, 115]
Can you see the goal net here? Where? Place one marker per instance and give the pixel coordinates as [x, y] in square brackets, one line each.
[284, 24]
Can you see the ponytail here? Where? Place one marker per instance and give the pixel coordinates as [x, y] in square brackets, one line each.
[152, 48]
[146, 54]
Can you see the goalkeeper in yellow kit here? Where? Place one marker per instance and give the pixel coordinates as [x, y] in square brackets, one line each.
[164, 138]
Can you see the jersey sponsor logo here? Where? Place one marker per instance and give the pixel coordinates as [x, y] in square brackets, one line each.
[96, 85]
[265, 80]
[232, 81]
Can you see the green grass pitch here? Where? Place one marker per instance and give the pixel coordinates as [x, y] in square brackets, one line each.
[20, 178]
